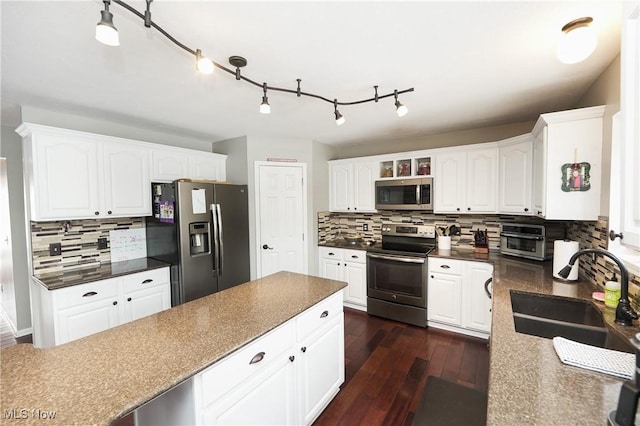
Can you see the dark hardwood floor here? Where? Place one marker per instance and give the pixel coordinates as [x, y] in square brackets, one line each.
[6, 335]
[387, 366]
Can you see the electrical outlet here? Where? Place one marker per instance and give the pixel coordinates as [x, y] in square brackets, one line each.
[102, 243]
[365, 226]
[55, 249]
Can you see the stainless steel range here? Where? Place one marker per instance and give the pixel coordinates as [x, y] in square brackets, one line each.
[397, 273]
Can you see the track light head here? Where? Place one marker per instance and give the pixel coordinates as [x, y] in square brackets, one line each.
[401, 110]
[106, 32]
[340, 120]
[265, 108]
[203, 64]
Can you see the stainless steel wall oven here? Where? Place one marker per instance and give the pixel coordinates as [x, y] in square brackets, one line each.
[397, 273]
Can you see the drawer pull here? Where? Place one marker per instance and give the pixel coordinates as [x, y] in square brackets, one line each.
[257, 358]
[89, 294]
[324, 314]
[332, 254]
[147, 281]
[354, 256]
[445, 266]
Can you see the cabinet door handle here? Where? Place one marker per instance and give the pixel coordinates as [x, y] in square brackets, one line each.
[486, 287]
[324, 314]
[445, 266]
[96, 213]
[147, 281]
[303, 349]
[332, 254]
[89, 294]
[355, 257]
[128, 299]
[432, 276]
[257, 358]
[115, 303]
[526, 209]
[292, 358]
[109, 212]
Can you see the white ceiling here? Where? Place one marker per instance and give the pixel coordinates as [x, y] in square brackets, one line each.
[472, 64]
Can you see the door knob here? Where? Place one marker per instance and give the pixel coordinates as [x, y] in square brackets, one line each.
[266, 247]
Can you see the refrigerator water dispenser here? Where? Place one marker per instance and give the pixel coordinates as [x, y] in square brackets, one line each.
[199, 237]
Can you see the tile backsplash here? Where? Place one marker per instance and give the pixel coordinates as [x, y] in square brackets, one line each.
[79, 239]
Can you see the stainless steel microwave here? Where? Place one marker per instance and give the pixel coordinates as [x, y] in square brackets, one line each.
[405, 194]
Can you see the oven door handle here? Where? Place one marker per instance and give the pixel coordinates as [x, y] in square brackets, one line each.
[397, 258]
[524, 237]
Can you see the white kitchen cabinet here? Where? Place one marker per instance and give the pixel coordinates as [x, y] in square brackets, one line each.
[285, 377]
[207, 166]
[73, 312]
[457, 296]
[444, 291]
[560, 141]
[168, 165]
[515, 157]
[352, 185]
[466, 180]
[78, 175]
[347, 265]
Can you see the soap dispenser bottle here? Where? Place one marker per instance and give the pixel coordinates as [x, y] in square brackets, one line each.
[612, 292]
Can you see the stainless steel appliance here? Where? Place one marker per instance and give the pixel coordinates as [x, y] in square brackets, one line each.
[405, 194]
[397, 273]
[529, 240]
[202, 229]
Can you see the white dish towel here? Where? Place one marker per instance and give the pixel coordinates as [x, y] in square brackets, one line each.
[615, 363]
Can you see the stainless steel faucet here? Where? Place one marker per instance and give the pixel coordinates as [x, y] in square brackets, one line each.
[624, 312]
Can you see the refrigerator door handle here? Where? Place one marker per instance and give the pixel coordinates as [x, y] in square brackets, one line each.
[214, 237]
[220, 241]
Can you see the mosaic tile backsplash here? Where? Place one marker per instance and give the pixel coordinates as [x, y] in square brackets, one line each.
[79, 239]
[596, 235]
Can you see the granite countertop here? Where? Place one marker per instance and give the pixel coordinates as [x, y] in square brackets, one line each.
[100, 378]
[56, 280]
[527, 382]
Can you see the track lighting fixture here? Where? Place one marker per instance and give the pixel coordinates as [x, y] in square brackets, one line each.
[401, 110]
[265, 108]
[107, 33]
[340, 120]
[577, 42]
[203, 64]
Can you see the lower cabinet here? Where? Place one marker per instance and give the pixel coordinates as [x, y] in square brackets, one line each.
[286, 377]
[74, 312]
[458, 296]
[346, 265]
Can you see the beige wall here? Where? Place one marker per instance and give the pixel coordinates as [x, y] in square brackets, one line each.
[605, 91]
[463, 137]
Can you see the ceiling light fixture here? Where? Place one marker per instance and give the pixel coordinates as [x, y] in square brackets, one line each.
[401, 110]
[577, 41]
[106, 32]
[340, 120]
[206, 65]
[265, 108]
[203, 64]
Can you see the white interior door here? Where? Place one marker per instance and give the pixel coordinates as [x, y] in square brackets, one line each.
[7, 293]
[281, 217]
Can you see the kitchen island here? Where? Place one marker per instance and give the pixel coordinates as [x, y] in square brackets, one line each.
[527, 382]
[103, 377]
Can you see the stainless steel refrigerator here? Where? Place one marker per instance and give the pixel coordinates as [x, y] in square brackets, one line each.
[202, 229]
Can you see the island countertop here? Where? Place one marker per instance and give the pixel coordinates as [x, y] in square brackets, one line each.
[102, 377]
[527, 382]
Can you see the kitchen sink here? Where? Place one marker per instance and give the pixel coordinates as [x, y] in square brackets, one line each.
[550, 316]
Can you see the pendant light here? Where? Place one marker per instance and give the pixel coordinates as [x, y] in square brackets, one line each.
[577, 42]
[265, 108]
[106, 32]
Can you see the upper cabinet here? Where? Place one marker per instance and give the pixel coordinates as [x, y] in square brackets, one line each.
[352, 186]
[78, 175]
[169, 164]
[567, 164]
[466, 180]
[74, 175]
[515, 156]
